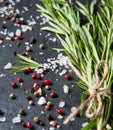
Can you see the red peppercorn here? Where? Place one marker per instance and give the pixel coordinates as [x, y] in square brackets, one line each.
[39, 76]
[19, 79]
[31, 58]
[53, 94]
[34, 76]
[1, 38]
[5, 3]
[47, 82]
[36, 85]
[28, 69]
[68, 76]
[13, 84]
[7, 17]
[55, 124]
[47, 107]
[29, 125]
[59, 111]
[18, 21]
[19, 37]
[12, 38]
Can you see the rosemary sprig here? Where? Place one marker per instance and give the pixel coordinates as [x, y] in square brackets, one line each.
[24, 63]
[85, 44]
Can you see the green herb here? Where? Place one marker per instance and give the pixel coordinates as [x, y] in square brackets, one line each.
[24, 63]
[86, 45]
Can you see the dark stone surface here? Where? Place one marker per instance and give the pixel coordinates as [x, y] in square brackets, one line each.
[10, 107]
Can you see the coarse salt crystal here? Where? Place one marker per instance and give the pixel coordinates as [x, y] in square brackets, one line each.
[60, 117]
[11, 34]
[18, 32]
[42, 101]
[8, 66]
[2, 119]
[73, 109]
[84, 124]
[51, 128]
[16, 120]
[66, 89]
[62, 104]
[1, 41]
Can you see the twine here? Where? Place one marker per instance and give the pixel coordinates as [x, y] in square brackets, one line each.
[95, 92]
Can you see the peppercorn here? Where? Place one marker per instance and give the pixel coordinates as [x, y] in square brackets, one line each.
[32, 90]
[47, 82]
[31, 102]
[29, 69]
[23, 124]
[19, 37]
[41, 123]
[55, 124]
[36, 85]
[34, 76]
[13, 84]
[18, 43]
[5, 3]
[11, 38]
[19, 79]
[49, 117]
[3, 26]
[47, 107]
[29, 125]
[59, 111]
[24, 53]
[41, 46]
[21, 112]
[31, 58]
[28, 49]
[15, 53]
[36, 120]
[18, 21]
[14, 15]
[13, 19]
[39, 76]
[68, 76]
[28, 98]
[7, 17]
[53, 94]
[32, 40]
[47, 87]
[49, 103]
[12, 96]
[36, 94]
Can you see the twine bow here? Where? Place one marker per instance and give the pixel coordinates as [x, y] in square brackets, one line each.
[95, 92]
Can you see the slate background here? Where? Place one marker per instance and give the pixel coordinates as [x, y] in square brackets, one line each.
[11, 107]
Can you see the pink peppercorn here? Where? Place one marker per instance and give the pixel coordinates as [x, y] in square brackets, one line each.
[18, 21]
[39, 76]
[47, 82]
[36, 85]
[19, 79]
[59, 111]
[29, 69]
[1, 38]
[7, 17]
[5, 3]
[13, 84]
[68, 76]
[53, 94]
[11, 38]
[31, 58]
[19, 37]
[55, 124]
[34, 76]
[29, 125]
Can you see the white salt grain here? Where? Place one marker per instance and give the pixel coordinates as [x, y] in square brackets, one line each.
[84, 124]
[62, 104]
[73, 109]
[2, 119]
[42, 101]
[16, 120]
[66, 89]
[8, 66]
[18, 32]
[51, 128]
[60, 117]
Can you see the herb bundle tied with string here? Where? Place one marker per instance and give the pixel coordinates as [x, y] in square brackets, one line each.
[89, 50]
[89, 53]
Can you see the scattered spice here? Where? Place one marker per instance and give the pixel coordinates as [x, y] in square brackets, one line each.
[36, 93]
[53, 94]
[12, 96]
[32, 40]
[29, 125]
[41, 46]
[47, 82]
[13, 84]
[21, 112]
[36, 119]
[28, 49]
[59, 111]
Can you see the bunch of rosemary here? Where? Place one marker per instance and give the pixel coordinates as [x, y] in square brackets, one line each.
[89, 48]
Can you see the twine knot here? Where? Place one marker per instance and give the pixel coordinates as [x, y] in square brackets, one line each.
[95, 92]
